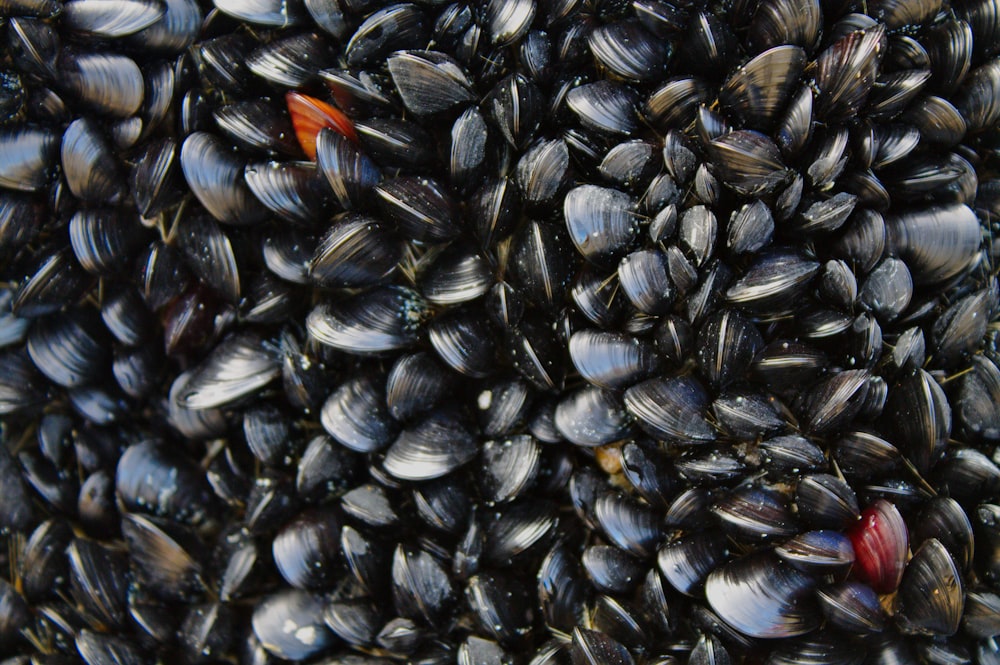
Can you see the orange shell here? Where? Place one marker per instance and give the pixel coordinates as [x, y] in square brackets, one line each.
[310, 115]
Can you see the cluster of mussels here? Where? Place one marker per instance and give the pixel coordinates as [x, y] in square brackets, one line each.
[500, 332]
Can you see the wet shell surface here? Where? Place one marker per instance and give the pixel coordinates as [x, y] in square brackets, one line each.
[499, 332]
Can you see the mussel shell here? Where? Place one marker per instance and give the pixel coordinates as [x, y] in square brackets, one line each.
[240, 365]
[542, 263]
[289, 625]
[601, 223]
[429, 81]
[628, 50]
[687, 561]
[69, 349]
[107, 82]
[370, 505]
[671, 408]
[287, 253]
[605, 106]
[509, 467]
[672, 105]
[853, 607]
[759, 89]
[944, 519]
[464, 340]
[612, 360]
[562, 587]
[761, 596]
[630, 525]
[18, 512]
[592, 416]
[937, 243]
[99, 580]
[29, 155]
[773, 281]
[727, 344]
[421, 588]
[826, 501]
[385, 319]
[421, 207]
[258, 125]
[644, 276]
[435, 446]
[931, 598]
[415, 384]
[291, 190]
[819, 553]
[357, 250]
[786, 22]
[152, 479]
[307, 550]
[845, 72]
[89, 165]
[216, 176]
[502, 606]
[457, 275]
[162, 558]
[754, 513]
[880, 541]
[356, 415]
[976, 100]
[209, 253]
[917, 413]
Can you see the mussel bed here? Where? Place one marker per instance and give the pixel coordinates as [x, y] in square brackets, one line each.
[499, 332]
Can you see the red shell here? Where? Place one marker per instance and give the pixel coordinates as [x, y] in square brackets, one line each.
[880, 544]
[310, 115]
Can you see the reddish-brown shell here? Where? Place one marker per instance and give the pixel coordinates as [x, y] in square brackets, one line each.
[880, 544]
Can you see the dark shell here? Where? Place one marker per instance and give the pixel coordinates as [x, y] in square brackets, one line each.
[435, 446]
[289, 625]
[936, 243]
[89, 165]
[605, 107]
[421, 208]
[754, 514]
[612, 360]
[687, 561]
[428, 81]
[357, 250]
[728, 343]
[150, 478]
[216, 177]
[760, 596]
[748, 162]
[306, 550]
[162, 562]
[628, 50]
[395, 27]
[386, 319]
[69, 350]
[931, 598]
[234, 369]
[845, 72]
[758, 90]
[671, 408]
[107, 82]
[919, 416]
[819, 553]
[421, 588]
[852, 606]
[601, 223]
[592, 416]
